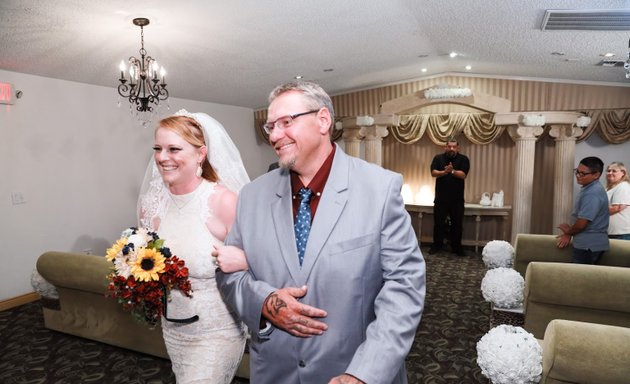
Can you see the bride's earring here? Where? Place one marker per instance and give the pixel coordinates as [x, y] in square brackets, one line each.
[199, 170]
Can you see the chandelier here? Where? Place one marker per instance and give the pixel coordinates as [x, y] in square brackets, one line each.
[144, 87]
[626, 65]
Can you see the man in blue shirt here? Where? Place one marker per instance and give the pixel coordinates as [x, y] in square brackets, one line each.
[590, 215]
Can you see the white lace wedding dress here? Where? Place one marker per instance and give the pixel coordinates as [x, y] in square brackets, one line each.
[210, 349]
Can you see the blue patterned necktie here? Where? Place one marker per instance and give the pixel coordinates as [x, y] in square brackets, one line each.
[303, 222]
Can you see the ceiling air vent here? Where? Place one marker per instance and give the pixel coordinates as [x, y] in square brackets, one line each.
[586, 20]
[611, 63]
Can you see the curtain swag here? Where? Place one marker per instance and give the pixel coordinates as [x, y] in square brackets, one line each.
[479, 128]
[613, 126]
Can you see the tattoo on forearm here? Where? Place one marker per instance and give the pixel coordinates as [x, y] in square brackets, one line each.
[274, 304]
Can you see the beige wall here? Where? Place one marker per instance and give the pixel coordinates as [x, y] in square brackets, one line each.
[492, 165]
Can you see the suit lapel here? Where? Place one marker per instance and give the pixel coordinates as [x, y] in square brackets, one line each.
[282, 216]
[329, 210]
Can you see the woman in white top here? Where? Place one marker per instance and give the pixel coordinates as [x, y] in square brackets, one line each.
[618, 189]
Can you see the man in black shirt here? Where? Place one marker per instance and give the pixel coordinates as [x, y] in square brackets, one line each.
[450, 170]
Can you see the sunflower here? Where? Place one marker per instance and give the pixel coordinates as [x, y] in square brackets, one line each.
[115, 249]
[149, 263]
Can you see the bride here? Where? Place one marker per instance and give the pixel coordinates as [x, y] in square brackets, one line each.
[189, 198]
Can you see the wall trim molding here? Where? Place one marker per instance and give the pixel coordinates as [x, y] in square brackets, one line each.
[481, 76]
[19, 300]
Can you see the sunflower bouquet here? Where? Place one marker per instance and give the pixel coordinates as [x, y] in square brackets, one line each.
[143, 274]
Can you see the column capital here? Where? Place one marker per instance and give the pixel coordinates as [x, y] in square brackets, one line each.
[357, 121]
[524, 132]
[374, 132]
[367, 121]
[565, 132]
[352, 133]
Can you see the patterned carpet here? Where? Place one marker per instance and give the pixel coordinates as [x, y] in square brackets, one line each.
[454, 319]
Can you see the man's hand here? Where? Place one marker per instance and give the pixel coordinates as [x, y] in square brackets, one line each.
[565, 228]
[563, 240]
[283, 310]
[345, 379]
[449, 168]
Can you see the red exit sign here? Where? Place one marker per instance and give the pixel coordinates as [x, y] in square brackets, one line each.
[6, 93]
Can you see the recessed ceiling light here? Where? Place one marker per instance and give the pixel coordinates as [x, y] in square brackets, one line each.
[423, 56]
[298, 77]
[571, 60]
[556, 53]
[328, 70]
[468, 67]
[423, 70]
[609, 54]
[453, 55]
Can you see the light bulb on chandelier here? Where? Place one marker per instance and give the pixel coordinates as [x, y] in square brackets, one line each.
[146, 85]
[627, 63]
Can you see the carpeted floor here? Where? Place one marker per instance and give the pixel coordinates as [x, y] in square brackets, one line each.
[454, 319]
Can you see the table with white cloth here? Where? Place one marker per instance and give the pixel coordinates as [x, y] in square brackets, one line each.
[489, 221]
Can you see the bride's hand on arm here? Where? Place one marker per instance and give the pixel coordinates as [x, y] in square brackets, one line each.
[230, 258]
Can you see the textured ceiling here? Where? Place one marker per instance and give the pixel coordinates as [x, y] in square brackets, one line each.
[234, 52]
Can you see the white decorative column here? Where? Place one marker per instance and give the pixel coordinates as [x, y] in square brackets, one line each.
[374, 143]
[370, 129]
[564, 159]
[351, 135]
[374, 134]
[352, 141]
[525, 138]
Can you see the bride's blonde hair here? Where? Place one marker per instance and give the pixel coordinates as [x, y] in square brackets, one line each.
[190, 130]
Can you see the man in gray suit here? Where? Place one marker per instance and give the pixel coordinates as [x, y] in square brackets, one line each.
[342, 305]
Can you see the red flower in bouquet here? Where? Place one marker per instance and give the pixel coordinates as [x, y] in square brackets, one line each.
[144, 273]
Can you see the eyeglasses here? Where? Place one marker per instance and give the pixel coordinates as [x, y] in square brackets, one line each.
[613, 170]
[285, 122]
[581, 174]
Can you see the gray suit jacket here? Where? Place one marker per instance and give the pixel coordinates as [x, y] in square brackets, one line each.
[362, 265]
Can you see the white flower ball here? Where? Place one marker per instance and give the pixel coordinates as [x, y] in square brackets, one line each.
[503, 287]
[42, 286]
[510, 355]
[498, 253]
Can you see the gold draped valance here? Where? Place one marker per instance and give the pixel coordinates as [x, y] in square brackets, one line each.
[613, 126]
[479, 128]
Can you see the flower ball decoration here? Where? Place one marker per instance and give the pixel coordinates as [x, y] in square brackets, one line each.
[498, 253]
[510, 355]
[503, 287]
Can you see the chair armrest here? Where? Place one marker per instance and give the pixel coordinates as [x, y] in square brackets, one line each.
[532, 247]
[579, 352]
[592, 293]
[578, 285]
[75, 270]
